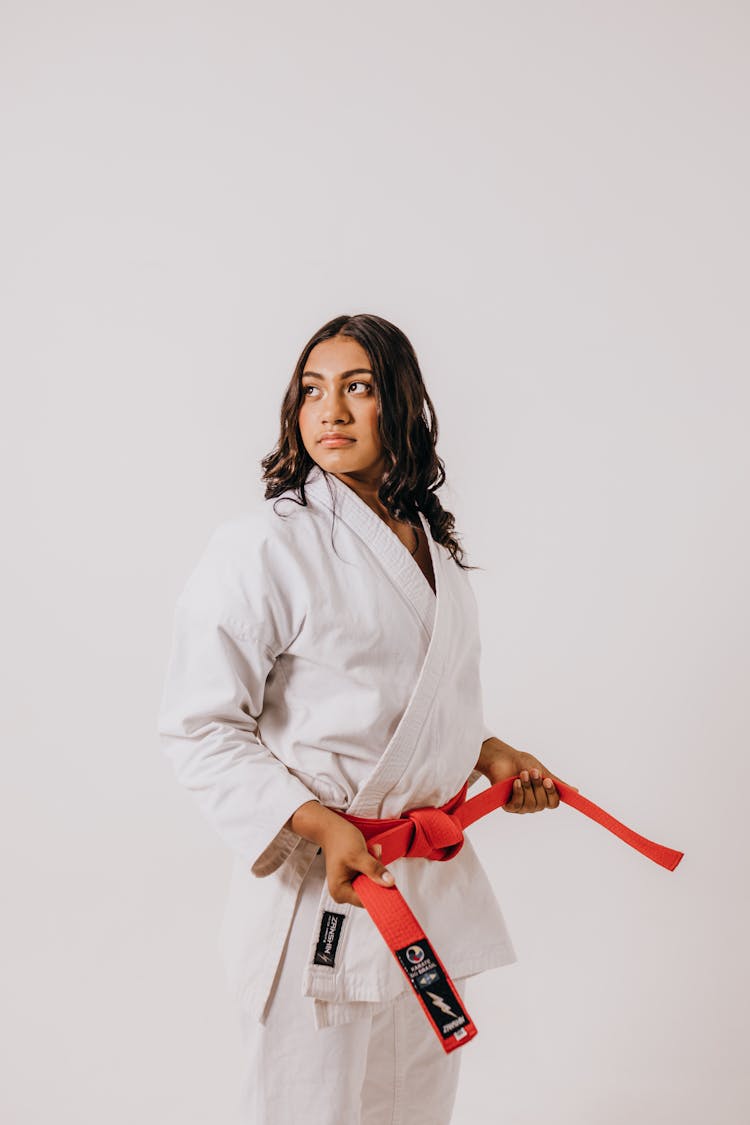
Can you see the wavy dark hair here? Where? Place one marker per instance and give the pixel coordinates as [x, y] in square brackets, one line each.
[407, 425]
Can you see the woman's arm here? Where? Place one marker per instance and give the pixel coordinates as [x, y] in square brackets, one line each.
[227, 630]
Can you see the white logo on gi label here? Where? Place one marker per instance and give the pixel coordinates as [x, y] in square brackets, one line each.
[415, 954]
[441, 1005]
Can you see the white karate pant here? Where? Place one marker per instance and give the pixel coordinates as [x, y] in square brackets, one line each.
[385, 1068]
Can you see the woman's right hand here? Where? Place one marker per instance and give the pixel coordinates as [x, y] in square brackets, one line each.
[346, 856]
[344, 850]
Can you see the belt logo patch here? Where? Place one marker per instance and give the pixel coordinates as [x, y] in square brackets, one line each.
[428, 980]
[328, 939]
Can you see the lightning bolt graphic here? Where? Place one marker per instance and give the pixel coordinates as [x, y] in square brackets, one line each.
[441, 1005]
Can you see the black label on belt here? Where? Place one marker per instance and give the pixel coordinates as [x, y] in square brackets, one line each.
[428, 980]
[328, 938]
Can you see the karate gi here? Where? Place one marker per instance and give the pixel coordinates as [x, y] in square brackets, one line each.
[311, 659]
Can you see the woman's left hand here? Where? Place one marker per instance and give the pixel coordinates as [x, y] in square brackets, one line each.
[534, 791]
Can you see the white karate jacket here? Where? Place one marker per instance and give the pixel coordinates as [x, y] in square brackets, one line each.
[301, 669]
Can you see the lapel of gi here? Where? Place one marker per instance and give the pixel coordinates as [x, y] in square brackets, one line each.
[398, 564]
[403, 570]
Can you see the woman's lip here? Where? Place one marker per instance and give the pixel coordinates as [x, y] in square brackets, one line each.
[338, 440]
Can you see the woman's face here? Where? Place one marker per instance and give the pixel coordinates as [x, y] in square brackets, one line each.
[338, 395]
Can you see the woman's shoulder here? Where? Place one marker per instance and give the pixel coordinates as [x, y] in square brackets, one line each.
[262, 542]
[277, 520]
[250, 554]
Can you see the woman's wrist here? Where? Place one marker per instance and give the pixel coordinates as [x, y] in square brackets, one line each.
[313, 821]
[493, 750]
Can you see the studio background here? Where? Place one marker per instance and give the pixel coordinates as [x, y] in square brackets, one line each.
[550, 199]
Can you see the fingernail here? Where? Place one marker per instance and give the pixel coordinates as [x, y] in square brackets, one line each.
[548, 782]
[387, 877]
[535, 774]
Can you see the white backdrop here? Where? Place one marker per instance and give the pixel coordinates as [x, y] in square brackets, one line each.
[550, 199]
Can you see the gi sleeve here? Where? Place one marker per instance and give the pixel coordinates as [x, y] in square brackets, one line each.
[225, 640]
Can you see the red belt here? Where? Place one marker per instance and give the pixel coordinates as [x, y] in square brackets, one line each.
[438, 833]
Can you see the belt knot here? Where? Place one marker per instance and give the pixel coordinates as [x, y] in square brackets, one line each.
[436, 834]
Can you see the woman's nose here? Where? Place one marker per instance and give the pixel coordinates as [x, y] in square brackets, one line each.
[335, 409]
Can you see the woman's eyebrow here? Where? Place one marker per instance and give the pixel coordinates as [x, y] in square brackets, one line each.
[343, 375]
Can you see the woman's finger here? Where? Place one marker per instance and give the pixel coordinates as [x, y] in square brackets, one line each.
[529, 792]
[540, 793]
[549, 773]
[375, 870]
[514, 804]
[342, 891]
[553, 797]
[549, 798]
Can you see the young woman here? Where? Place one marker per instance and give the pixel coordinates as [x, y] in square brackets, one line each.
[325, 659]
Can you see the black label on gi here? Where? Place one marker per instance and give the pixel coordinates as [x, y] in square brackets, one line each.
[429, 981]
[328, 938]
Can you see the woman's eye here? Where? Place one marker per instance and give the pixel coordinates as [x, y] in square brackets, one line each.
[354, 383]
